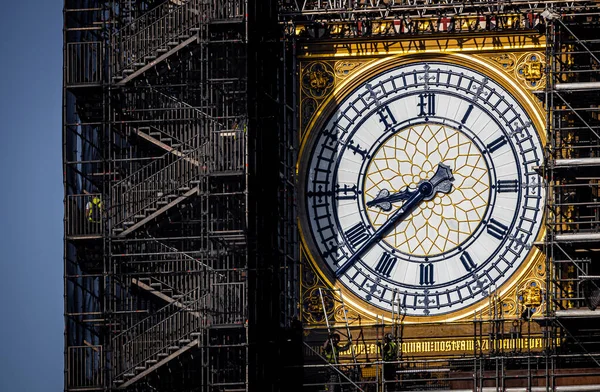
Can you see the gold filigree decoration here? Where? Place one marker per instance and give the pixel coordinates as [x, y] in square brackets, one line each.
[508, 307]
[506, 61]
[345, 67]
[312, 306]
[409, 157]
[540, 270]
[530, 70]
[318, 80]
[309, 107]
[530, 294]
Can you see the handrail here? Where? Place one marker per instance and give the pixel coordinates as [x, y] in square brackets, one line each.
[153, 183]
[129, 180]
[134, 46]
[146, 18]
[158, 332]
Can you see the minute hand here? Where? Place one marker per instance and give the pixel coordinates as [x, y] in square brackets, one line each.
[427, 189]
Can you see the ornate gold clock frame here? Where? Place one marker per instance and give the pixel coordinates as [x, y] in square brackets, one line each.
[328, 71]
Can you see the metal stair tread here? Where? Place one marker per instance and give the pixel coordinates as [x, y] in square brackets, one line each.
[173, 348]
[140, 368]
[162, 355]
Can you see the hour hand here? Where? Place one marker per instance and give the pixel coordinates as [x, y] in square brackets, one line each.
[384, 200]
[441, 181]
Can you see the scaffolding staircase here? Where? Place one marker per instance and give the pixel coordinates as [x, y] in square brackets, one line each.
[156, 36]
[161, 337]
[170, 170]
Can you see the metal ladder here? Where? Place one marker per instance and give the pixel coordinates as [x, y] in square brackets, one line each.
[338, 298]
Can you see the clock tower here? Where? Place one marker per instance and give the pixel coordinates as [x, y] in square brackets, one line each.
[428, 193]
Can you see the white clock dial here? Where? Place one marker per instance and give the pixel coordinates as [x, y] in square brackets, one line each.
[420, 187]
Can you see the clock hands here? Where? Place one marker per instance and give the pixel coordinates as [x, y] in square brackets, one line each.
[426, 190]
[384, 200]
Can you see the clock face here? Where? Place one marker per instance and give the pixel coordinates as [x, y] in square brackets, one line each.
[419, 191]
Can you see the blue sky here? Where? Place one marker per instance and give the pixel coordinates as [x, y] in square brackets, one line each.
[31, 325]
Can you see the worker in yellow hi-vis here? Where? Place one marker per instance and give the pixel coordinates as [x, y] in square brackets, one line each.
[93, 209]
[390, 357]
[331, 352]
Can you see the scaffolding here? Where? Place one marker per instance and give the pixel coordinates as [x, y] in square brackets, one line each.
[555, 350]
[164, 123]
[181, 255]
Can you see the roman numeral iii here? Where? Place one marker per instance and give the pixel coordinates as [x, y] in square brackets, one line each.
[385, 265]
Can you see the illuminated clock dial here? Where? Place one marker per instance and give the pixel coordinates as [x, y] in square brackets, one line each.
[420, 189]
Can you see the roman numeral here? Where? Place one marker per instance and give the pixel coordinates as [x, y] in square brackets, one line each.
[496, 144]
[496, 229]
[386, 117]
[357, 234]
[467, 261]
[467, 114]
[426, 104]
[507, 186]
[385, 265]
[426, 274]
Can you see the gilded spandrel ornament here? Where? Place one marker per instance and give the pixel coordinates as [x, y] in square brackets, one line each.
[313, 307]
[318, 80]
[531, 295]
[508, 307]
[506, 61]
[345, 68]
[309, 106]
[530, 70]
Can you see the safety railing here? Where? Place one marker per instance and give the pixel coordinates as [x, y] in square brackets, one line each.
[228, 303]
[176, 271]
[165, 331]
[157, 182]
[84, 215]
[170, 118]
[84, 367]
[157, 31]
[228, 150]
[84, 63]
[228, 10]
